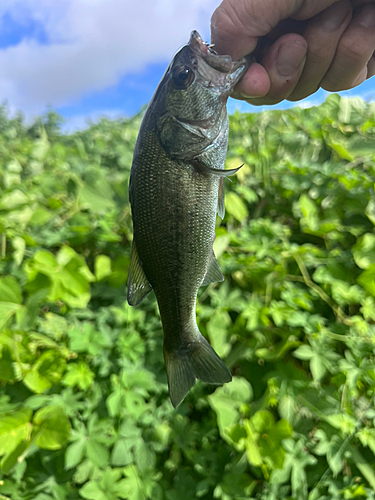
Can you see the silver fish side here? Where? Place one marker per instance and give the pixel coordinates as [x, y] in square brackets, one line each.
[176, 189]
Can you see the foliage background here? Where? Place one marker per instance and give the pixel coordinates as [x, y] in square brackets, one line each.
[84, 410]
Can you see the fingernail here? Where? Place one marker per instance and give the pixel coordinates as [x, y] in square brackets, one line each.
[290, 57]
[366, 16]
[333, 17]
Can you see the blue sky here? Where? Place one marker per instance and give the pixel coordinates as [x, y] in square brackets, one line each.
[92, 58]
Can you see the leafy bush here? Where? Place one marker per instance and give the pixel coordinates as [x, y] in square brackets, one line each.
[84, 410]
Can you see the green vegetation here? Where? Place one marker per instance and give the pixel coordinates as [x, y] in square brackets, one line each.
[84, 408]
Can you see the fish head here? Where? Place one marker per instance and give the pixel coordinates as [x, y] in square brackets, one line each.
[190, 102]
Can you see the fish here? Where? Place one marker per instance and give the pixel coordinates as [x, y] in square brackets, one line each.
[176, 188]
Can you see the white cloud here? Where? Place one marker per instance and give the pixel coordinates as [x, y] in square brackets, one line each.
[92, 44]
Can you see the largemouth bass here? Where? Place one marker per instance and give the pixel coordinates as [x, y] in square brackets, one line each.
[176, 188]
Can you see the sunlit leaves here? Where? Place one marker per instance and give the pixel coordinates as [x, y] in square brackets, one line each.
[293, 320]
[235, 206]
[320, 360]
[102, 267]
[229, 402]
[46, 371]
[14, 428]
[264, 440]
[69, 277]
[79, 374]
[51, 427]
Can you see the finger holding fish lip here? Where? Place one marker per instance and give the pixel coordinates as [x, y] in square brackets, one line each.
[253, 84]
[283, 63]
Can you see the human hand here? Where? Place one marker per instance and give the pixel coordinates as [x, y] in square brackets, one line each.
[303, 45]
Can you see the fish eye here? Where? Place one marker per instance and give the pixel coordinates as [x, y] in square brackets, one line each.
[182, 76]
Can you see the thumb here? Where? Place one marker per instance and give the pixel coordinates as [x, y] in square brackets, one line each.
[237, 24]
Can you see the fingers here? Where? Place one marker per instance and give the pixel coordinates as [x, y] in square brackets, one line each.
[255, 83]
[354, 52]
[322, 35]
[284, 63]
[336, 51]
[236, 24]
[311, 8]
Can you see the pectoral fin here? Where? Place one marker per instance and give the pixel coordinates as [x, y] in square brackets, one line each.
[214, 273]
[138, 284]
[220, 199]
[216, 171]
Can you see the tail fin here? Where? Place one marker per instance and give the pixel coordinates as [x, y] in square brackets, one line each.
[197, 360]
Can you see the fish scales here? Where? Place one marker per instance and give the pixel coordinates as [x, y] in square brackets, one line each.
[177, 170]
[174, 234]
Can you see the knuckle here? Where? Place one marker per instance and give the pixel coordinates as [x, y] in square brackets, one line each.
[226, 18]
[222, 23]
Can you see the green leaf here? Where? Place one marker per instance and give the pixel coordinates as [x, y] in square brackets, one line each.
[345, 423]
[96, 194]
[227, 400]
[13, 199]
[51, 427]
[9, 310]
[235, 206]
[68, 274]
[217, 329]
[75, 453]
[131, 487]
[304, 352]
[121, 454]
[10, 291]
[317, 367]
[14, 428]
[41, 146]
[14, 457]
[288, 408]
[97, 453]
[364, 251]
[310, 212]
[364, 467]
[367, 279]
[45, 372]
[92, 491]
[79, 374]
[19, 246]
[367, 438]
[102, 267]
[264, 439]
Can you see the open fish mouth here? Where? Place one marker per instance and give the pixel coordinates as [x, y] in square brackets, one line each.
[221, 63]
[219, 70]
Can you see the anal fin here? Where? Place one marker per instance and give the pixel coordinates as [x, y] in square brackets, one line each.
[214, 273]
[138, 284]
